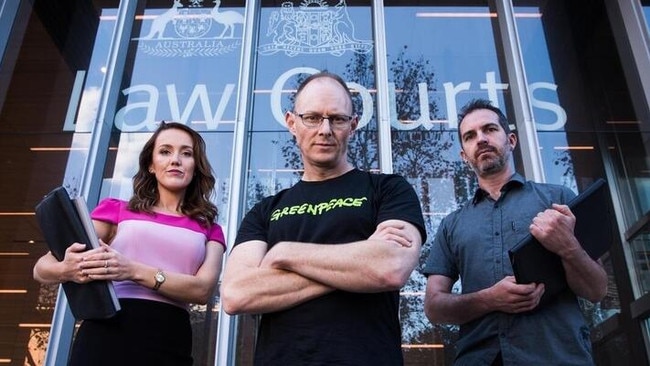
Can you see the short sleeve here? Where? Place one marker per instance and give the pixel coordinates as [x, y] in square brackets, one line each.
[398, 200]
[108, 210]
[567, 195]
[440, 259]
[216, 234]
[255, 226]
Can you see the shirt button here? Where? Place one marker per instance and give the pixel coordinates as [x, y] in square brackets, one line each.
[496, 233]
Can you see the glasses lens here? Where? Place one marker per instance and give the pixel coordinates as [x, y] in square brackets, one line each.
[312, 120]
[339, 119]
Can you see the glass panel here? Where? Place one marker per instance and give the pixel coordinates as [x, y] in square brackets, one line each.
[629, 151]
[51, 72]
[182, 65]
[640, 246]
[631, 154]
[298, 39]
[428, 85]
[549, 115]
[646, 10]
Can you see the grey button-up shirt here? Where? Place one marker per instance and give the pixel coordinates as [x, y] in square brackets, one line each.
[472, 243]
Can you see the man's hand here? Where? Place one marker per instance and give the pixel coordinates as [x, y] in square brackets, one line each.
[554, 230]
[510, 297]
[393, 231]
[506, 296]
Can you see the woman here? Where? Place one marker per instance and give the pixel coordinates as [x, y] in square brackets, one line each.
[162, 249]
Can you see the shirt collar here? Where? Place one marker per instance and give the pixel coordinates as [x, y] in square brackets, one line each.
[516, 180]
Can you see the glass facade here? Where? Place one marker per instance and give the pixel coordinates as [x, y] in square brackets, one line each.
[83, 84]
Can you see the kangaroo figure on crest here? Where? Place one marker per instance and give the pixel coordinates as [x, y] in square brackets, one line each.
[159, 24]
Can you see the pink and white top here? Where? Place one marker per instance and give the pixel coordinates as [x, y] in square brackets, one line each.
[171, 243]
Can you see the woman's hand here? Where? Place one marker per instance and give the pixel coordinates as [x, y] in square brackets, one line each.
[105, 263]
[70, 265]
[49, 270]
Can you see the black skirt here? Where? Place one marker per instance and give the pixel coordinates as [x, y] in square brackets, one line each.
[143, 332]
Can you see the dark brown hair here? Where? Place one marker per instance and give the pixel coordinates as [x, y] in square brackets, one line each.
[196, 203]
[476, 104]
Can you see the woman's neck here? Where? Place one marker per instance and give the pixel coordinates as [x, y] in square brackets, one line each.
[169, 203]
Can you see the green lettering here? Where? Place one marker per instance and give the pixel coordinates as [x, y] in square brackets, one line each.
[321, 207]
[358, 202]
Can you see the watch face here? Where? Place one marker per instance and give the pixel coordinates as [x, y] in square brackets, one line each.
[160, 277]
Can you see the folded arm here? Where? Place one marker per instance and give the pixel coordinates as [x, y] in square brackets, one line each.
[250, 288]
[383, 262]
[257, 281]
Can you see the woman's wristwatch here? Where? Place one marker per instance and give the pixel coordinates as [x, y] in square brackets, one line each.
[159, 277]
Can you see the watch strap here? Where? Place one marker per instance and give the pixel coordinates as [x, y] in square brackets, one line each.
[159, 274]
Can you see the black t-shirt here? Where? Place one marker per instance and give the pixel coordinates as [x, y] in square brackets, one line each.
[340, 328]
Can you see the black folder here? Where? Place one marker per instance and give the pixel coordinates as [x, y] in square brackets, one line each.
[63, 221]
[531, 262]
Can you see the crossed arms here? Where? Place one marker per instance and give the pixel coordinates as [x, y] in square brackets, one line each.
[257, 280]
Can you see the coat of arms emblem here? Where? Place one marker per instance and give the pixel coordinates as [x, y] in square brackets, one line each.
[313, 28]
[192, 30]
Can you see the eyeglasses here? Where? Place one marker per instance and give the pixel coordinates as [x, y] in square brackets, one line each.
[314, 120]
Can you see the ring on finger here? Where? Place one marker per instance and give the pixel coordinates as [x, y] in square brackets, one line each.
[106, 263]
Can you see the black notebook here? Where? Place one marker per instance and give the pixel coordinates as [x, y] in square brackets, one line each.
[64, 221]
[531, 262]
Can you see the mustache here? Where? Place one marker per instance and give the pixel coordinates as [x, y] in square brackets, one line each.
[484, 150]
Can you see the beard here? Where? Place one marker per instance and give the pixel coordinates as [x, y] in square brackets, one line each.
[490, 164]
